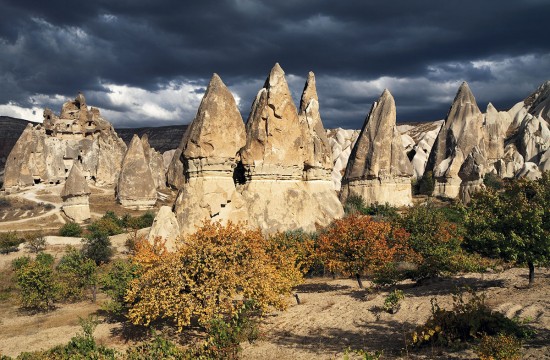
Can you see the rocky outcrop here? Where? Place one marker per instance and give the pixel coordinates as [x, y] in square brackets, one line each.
[156, 163]
[279, 144]
[46, 152]
[460, 133]
[533, 138]
[341, 142]
[210, 152]
[136, 186]
[75, 195]
[471, 173]
[423, 136]
[378, 169]
[165, 226]
[529, 171]
[495, 127]
[161, 138]
[510, 164]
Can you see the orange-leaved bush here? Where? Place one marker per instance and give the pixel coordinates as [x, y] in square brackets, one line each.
[357, 244]
[211, 274]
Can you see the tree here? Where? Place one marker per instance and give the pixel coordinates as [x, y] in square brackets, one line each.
[76, 274]
[71, 229]
[357, 244]
[97, 246]
[205, 277]
[513, 224]
[35, 242]
[116, 281]
[36, 280]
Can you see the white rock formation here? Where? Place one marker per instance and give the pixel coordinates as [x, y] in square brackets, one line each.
[341, 142]
[166, 226]
[75, 195]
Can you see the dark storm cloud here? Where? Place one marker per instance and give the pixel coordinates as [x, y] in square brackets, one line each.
[421, 50]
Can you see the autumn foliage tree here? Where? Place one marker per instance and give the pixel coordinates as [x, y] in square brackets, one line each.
[210, 275]
[356, 245]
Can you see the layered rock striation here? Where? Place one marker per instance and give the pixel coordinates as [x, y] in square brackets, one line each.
[378, 168]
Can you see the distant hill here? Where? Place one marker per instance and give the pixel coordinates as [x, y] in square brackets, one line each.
[161, 138]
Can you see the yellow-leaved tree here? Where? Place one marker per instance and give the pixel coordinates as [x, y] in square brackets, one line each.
[211, 274]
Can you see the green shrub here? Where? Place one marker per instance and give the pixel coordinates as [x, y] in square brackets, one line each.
[391, 303]
[76, 273]
[468, 320]
[354, 204]
[9, 242]
[97, 246]
[493, 181]
[106, 225]
[425, 185]
[36, 281]
[115, 283]
[71, 229]
[361, 354]
[499, 347]
[157, 348]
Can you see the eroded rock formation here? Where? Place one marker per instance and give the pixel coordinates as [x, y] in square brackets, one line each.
[46, 152]
[378, 168]
[341, 142]
[75, 195]
[460, 133]
[136, 185]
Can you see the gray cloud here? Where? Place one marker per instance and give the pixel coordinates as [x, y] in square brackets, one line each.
[120, 53]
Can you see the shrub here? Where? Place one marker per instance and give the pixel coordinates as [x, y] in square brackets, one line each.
[493, 181]
[97, 246]
[36, 280]
[211, 269]
[35, 242]
[357, 244]
[71, 229]
[76, 274]
[354, 204]
[391, 303]
[425, 185]
[106, 226]
[469, 319]
[299, 243]
[157, 348]
[499, 347]
[9, 242]
[115, 283]
[5, 202]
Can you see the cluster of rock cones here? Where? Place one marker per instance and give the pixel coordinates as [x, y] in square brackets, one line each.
[281, 170]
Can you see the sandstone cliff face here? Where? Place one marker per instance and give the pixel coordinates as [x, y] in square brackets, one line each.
[460, 133]
[378, 169]
[136, 187]
[46, 152]
[75, 195]
[210, 152]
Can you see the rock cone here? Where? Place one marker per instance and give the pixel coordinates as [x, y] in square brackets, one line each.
[75, 195]
[378, 169]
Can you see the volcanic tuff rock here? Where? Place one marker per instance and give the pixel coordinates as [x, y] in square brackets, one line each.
[210, 151]
[471, 173]
[341, 142]
[75, 195]
[46, 152]
[530, 171]
[279, 150]
[378, 169]
[495, 127]
[161, 138]
[166, 227]
[423, 135]
[10, 130]
[155, 161]
[459, 134]
[136, 186]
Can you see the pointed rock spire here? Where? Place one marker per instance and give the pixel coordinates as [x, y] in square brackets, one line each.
[378, 168]
[76, 184]
[136, 187]
[218, 129]
[274, 146]
[317, 150]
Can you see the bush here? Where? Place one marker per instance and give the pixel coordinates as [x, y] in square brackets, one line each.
[9, 242]
[355, 204]
[4, 202]
[97, 246]
[499, 347]
[76, 274]
[391, 303]
[71, 229]
[115, 283]
[36, 280]
[493, 181]
[468, 320]
[35, 242]
[106, 226]
[211, 269]
[298, 242]
[157, 348]
[425, 185]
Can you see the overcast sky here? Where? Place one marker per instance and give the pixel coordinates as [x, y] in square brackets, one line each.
[146, 63]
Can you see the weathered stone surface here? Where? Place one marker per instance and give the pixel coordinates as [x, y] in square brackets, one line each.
[275, 144]
[156, 163]
[510, 164]
[533, 138]
[210, 152]
[166, 227]
[378, 168]
[471, 173]
[544, 164]
[136, 188]
[47, 151]
[530, 171]
[341, 142]
[423, 135]
[75, 195]
[495, 126]
[459, 134]
[317, 150]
